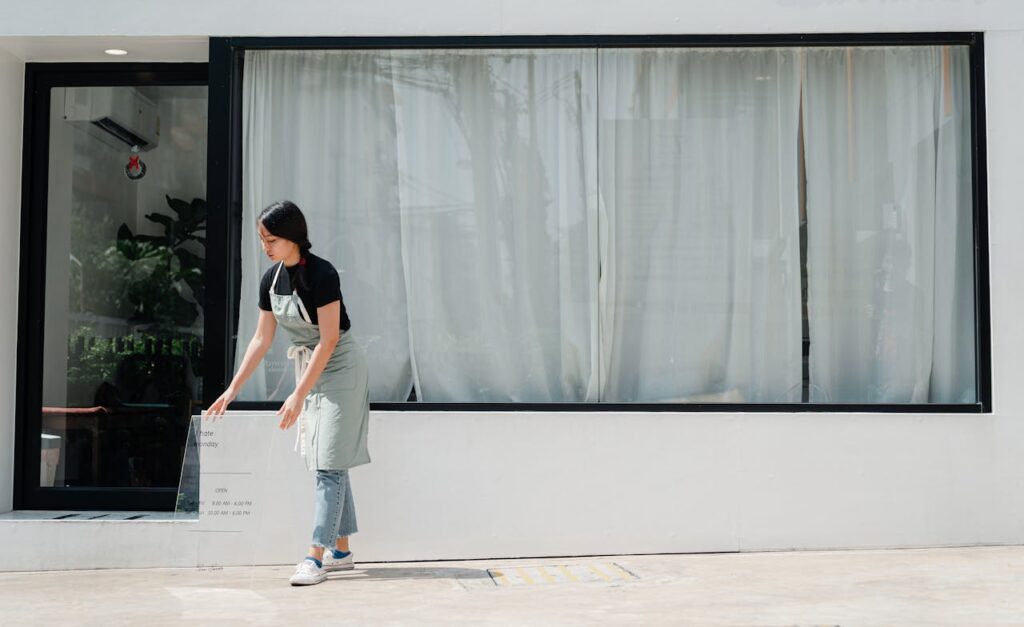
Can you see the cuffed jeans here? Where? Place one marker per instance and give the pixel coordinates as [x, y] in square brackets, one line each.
[335, 512]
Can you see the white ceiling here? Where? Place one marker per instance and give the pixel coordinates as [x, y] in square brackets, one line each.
[80, 49]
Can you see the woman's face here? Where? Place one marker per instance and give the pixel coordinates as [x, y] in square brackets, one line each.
[277, 248]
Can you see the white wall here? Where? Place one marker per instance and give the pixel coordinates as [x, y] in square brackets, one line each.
[12, 88]
[1004, 90]
[464, 485]
[502, 17]
[451, 485]
[59, 198]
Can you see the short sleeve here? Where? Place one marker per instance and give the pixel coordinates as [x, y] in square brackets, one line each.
[327, 288]
[265, 291]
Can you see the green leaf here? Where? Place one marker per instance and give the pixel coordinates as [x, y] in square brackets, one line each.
[197, 285]
[124, 233]
[126, 245]
[189, 259]
[154, 279]
[180, 207]
[161, 218]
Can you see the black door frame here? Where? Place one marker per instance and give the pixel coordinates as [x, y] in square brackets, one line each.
[39, 79]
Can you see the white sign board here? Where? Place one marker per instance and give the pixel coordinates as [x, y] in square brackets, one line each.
[244, 487]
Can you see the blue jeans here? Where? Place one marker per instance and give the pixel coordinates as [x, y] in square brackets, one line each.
[335, 511]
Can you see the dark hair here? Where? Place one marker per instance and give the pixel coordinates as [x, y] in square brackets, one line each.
[284, 219]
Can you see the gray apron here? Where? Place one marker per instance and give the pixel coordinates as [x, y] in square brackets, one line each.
[332, 429]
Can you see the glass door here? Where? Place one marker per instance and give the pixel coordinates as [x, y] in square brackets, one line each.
[122, 289]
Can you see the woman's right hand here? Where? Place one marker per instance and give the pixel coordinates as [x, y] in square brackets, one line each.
[219, 406]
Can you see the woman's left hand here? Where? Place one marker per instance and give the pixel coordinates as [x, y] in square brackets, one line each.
[290, 411]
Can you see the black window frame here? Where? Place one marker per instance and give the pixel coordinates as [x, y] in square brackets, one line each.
[227, 56]
[39, 79]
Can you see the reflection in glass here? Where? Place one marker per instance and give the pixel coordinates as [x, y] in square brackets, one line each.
[455, 191]
[124, 284]
[889, 225]
[701, 274]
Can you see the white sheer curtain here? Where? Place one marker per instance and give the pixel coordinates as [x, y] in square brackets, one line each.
[456, 192]
[497, 163]
[890, 276]
[319, 129]
[623, 225]
[700, 291]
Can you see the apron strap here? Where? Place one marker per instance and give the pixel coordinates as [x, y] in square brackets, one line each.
[301, 356]
[302, 307]
[273, 284]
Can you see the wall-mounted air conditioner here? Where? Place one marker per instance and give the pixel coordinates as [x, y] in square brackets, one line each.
[121, 116]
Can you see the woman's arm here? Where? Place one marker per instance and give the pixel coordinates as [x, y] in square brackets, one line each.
[329, 319]
[261, 341]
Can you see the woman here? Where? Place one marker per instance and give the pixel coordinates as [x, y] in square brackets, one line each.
[301, 293]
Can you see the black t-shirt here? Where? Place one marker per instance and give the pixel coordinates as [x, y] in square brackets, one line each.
[324, 287]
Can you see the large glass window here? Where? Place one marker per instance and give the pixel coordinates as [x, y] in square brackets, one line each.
[658, 225]
[125, 248]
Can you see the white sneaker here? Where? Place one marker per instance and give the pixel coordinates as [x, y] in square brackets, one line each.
[307, 573]
[332, 563]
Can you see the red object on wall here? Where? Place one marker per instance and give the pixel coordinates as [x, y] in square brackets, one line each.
[136, 168]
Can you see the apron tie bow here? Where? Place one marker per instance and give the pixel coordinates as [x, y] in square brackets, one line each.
[301, 355]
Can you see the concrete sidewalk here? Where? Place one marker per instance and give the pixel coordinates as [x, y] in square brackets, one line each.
[954, 586]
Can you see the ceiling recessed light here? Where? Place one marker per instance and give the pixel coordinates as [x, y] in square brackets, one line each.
[117, 52]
